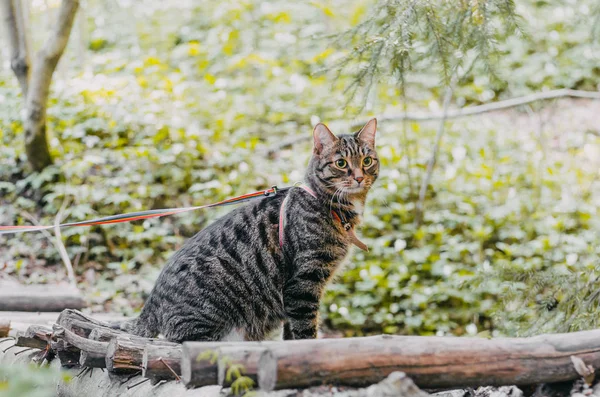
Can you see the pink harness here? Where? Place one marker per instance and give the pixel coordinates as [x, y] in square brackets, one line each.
[347, 226]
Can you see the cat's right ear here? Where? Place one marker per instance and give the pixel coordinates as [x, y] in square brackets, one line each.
[323, 137]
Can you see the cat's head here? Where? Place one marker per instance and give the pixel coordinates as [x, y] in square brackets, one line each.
[346, 164]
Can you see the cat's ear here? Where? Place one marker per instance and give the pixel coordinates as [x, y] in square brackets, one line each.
[323, 137]
[367, 133]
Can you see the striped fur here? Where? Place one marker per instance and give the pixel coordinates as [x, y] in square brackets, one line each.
[233, 280]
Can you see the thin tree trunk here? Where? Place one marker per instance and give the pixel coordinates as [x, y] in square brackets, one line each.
[17, 40]
[44, 65]
[35, 76]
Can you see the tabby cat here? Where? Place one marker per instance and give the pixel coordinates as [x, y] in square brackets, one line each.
[236, 280]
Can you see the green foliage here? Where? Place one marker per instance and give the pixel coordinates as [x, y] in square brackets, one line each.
[181, 107]
[399, 36]
[240, 384]
[19, 380]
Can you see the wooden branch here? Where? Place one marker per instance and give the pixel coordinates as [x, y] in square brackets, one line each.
[39, 298]
[79, 323]
[4, 328]
[17, 40]
[36, 336]
[161, 363]
[199, 365]
[90, 346]
[125, 352]
[124, 356]
[66, 353]
[62, 250]
[432, 362]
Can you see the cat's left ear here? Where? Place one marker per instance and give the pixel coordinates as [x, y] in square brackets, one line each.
[367, 133]
[323, 137]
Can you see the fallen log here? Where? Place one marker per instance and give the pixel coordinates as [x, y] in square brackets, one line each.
[4, 328]
[161, 363]
[81, 343]
[125, 352]
[79, 323]
[93, 360]
[66, 353]
[432, 362]
[199, 361]
[36, 336]
[39, 298]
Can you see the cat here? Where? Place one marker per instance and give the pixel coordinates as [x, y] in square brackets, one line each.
[239, 279]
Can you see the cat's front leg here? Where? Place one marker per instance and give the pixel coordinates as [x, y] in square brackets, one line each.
[301, 300]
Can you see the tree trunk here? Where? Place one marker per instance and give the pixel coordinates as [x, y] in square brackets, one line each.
[35, 79]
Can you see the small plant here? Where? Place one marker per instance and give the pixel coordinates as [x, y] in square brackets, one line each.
[240, 384]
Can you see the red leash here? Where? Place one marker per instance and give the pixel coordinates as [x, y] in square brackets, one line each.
[134, 216]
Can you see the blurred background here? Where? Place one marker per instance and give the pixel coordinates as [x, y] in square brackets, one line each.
[158, 104]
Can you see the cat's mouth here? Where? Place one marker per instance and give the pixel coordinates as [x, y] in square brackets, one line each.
[355, 189]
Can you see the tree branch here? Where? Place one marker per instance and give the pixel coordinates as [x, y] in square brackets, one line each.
[490, 107]
[18, 42]
[453, 114]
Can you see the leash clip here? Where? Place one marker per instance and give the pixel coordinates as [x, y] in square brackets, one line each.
[272, 191]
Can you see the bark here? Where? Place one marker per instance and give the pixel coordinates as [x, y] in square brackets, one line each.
[125, 352]
[36, 336]
[14, 21]
[90, 346]
[43, 67]
[161, 363]
[67, 354]
[35, 76]
[433, 362]
[39, 298]
[123, 356]
[81, 324]
[199, 365]
[4, 328]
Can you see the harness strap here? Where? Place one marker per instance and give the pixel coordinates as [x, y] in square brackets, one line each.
[346, 225]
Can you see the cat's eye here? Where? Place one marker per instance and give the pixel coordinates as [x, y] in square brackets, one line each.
[367, 161]
[341, 163]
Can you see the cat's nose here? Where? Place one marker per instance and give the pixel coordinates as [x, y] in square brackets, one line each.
[359, 179]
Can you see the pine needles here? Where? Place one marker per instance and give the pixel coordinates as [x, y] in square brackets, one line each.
[404, 35]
